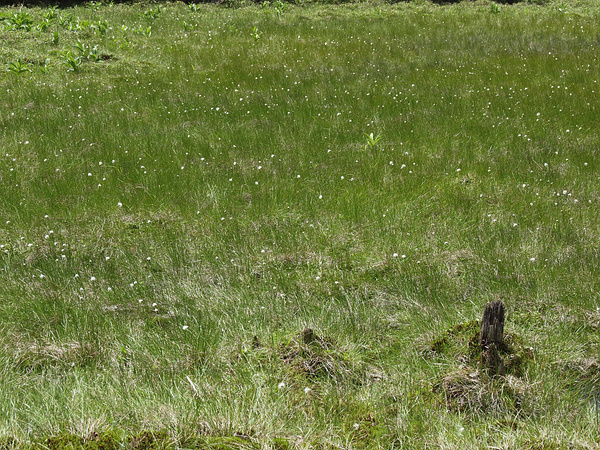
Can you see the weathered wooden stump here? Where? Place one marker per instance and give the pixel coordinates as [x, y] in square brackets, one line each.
[491, 338]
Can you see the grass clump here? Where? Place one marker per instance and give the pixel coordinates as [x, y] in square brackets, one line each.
[466, 386]
[314, 357]
[176, 180]
[8, 443]
[151, 440]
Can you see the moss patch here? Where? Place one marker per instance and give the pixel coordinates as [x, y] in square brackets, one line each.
[461, 343]
[224, 443]
[107, 440]
[65, 441]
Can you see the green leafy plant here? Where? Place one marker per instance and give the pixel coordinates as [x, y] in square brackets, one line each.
[93, 5]
[20, 21]
[187, 26]
[256, 34]
[50, 13]
[144, 31]
[94, 54]
[66, 22]
[84, 24]
[55, 38]
[101, 26]
[44, 25]
[494, 8]
[279, 7]
[193, 7]
[72, 62]
[19, 67]
[87, 52]
[45, 67]
[152, 14]
[82, 48]
[372, 141]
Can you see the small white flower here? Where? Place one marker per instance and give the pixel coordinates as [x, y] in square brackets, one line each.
[281, 385]
[93, 279]
[185, 327]
[395, 255]
[119, 204]
[307, 390]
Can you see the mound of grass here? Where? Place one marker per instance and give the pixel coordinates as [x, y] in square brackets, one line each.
[185, 188]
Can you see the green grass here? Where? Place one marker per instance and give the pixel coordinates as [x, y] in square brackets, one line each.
[185, 189]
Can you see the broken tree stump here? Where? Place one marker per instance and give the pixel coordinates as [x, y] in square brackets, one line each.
[491, 338]
[492, 324]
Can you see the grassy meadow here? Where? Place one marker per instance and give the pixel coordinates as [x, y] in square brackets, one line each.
[184, 189]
